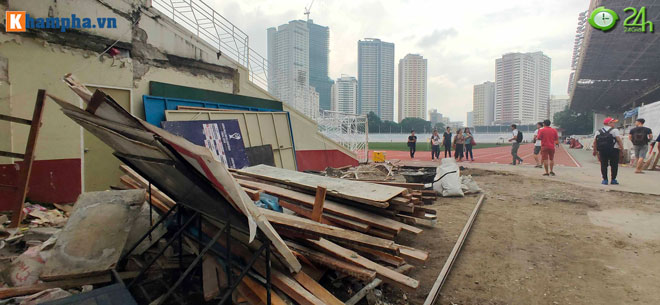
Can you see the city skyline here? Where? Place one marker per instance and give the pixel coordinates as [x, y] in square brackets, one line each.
[461, 46]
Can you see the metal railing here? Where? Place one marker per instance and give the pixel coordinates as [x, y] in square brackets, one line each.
[214, 29]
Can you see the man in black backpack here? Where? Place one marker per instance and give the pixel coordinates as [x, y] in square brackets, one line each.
[516, 139]
[609, 146]
[640, 137]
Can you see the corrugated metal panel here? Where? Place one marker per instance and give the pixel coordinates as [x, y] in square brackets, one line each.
[258, 128]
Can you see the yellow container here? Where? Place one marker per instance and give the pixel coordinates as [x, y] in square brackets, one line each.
[378, 156]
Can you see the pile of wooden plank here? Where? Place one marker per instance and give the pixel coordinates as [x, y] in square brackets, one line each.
[327, 232]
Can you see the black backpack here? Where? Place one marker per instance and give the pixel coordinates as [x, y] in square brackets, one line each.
[605, 140]
[519, 137]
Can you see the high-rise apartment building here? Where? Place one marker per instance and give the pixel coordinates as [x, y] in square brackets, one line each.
[412, 87]
[522, 88]
[435, 117]
[557, 104]
[319, 51]
[344, 95]
[376, 78]
[470, 119]
[288, 67]
[483, 104]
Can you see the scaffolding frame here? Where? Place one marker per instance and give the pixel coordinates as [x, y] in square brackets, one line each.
[349, 130]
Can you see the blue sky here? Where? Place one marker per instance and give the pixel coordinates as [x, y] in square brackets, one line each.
[461, 39]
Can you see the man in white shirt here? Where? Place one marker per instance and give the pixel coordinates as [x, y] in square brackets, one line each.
[609, 148]
[537, 145]
[516, 139]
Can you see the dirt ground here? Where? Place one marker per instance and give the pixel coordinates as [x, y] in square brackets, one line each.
[543, 242]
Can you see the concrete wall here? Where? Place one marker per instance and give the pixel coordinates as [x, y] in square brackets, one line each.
[160, 50]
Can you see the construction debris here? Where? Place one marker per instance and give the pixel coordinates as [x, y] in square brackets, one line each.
[177, 199]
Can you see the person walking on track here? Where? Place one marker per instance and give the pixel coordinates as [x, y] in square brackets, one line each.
[435, 145]
[537, 145]
[459, 142]
[549, 140]
[412, 143]
[608, 146]
[446, 141]
[516, 139]
[469, 142]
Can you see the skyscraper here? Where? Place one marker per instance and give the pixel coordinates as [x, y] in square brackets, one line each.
[412, 87]
[435, 117]
[522, 88]
[288, 67]
[344, 95]
[483, 104]
[376, 78]
[470, 119]
[319, 50]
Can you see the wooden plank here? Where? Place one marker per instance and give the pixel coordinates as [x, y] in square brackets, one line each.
[104, 214]
[259, 291]
[317, 211]
[376, 255]
[413, 255]
[213, 277]
[400, 200]
[375, 283]
[320, 258]
[28, 159]
[255, 195]
[381, 233]
[367, 193]
[15, 119]
[387, 275]
[283, 282]
[330, 232]
[312, 286]
[6, 293]
[327, 218]
[333, 207]
[442, 277]
[414, 186]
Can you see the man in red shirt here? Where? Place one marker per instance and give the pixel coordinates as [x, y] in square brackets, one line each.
[549, 140]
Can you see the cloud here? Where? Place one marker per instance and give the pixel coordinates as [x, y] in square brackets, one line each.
[436, 36]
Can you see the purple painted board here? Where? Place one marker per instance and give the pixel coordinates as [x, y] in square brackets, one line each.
[222, 137]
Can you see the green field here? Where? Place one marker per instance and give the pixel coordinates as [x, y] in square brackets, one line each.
[421, 146]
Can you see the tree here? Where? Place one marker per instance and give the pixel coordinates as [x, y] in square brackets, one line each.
[574, 123]
[417, 124]
[374, 122]
[439, 126]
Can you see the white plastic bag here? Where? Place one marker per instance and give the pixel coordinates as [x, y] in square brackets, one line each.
[469, 185]
[447, 180]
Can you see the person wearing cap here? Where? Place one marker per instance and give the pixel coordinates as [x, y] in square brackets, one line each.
[412, 143]
[609, 148]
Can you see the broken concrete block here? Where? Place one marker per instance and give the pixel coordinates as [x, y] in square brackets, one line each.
[95, 235]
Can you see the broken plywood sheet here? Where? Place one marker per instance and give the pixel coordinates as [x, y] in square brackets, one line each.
[368, 193]
[95, 234]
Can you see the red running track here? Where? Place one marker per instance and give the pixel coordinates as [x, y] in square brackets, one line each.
[500, 155]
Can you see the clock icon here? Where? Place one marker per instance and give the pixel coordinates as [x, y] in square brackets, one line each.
[603, 19]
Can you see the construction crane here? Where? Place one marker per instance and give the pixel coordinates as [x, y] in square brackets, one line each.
[307, 9]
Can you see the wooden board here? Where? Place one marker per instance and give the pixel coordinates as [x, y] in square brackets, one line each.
[367, 193]
[327, 218]
[333, 207]
[387, 275]
[6, 293]
[329, 232]
[341, 266]
[316, 289]
[95, 234]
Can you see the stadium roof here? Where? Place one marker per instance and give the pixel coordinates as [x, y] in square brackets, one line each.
[618, 69]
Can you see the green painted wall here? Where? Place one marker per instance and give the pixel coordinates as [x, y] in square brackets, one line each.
[183, 92]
